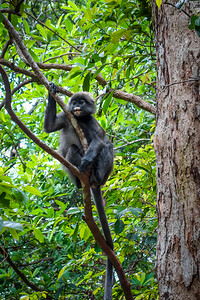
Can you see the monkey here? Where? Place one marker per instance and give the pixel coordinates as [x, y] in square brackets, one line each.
[98, 157]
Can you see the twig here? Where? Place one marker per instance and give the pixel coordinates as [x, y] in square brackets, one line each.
[61, 55]
[180, 82]
[130, 143]
[37, 261]
[10, 11]
[53, 31]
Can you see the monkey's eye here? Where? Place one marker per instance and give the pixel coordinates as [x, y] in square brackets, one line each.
[74, 102]
[82, 101]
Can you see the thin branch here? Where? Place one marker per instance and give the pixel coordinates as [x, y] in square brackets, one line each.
[43, 25]
[37, 261]
[131, 143]
[166, 2]
[64, 67]
[180, 82]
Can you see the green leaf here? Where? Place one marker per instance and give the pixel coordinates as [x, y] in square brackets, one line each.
[32, 190]
[13, 225]
[87, 233]
[62, 271]
[75, 233]
[86, 82]
[97, 72]
[197, 21]
[73, 211]
[20, 196]
[107, 102]
[117, 35]
[38, 234]
[73, 5]
[119, 226]
[68, 24]
[14, 233]
[135, 211]
[26, 27]
[42, 31]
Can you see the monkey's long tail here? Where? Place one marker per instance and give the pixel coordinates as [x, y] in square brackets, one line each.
[97, 195]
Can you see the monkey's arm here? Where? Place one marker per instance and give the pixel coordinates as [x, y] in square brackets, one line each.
[53, 122]
[92, 152]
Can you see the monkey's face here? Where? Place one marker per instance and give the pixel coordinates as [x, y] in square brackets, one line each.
[81, 105]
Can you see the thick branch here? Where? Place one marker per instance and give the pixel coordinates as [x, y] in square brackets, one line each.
[136, 100]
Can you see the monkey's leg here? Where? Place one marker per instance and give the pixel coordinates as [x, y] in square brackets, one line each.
[103, 165]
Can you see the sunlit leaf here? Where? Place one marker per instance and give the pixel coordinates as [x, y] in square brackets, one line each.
[38, 234]
[32, 190]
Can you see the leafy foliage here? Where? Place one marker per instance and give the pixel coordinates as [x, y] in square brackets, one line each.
[104, 46]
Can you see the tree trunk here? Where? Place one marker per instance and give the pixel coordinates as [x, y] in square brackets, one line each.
[177, 148]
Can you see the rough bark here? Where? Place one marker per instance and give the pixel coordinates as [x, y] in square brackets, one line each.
[177, 148]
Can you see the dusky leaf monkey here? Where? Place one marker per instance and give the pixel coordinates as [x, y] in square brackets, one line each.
[98, 158]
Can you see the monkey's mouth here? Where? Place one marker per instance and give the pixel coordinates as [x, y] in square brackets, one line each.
[77, 111]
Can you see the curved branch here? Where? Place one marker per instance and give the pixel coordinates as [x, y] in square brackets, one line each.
[17, 69]
[139, 102]
[44, 81]
[20, 274]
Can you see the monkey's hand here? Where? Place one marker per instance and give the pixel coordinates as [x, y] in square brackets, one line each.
[53, 88]
[85, 164]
